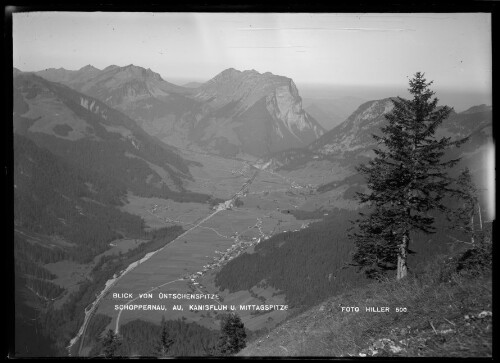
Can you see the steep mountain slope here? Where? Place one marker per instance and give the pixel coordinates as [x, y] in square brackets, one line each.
[62, 213]
[355, 133]
[234, 112]
[351, 137]
[119, 85]
[90, 134]
[74, 209]
[351, 142]
[254, 113]
[16, 71]
[156, 105]
[66, 216]
[444, 312]
[75, 162]
[309, 265]
[113, 79]
[335, 155]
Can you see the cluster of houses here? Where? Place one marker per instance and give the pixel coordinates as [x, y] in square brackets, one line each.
[238, 247]
[228, 204]
[241, 171]
[225, 256]
[304, 225]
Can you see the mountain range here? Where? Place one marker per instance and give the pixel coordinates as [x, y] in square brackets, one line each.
[105, 119]
[85, 140]
[91, 134]
[350, 144]
[352, 138]
[234, 112]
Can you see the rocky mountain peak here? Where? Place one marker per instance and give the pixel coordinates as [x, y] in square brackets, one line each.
[88, 68]
[236, 111]
[153, 74]
[236, 75]
[138, 73]
[247, 87]
[252, 72]
[372, 110]
[110, 67]
[354, 132]
[134, 70]
[263, 101]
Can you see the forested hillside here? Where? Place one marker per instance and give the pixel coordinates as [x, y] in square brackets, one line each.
[62, 323]
[141, 338]
[306, 265]
[54, 198]
[444, 311]
[91, 135]
[64, 212]
[312, 264]
[75, 161]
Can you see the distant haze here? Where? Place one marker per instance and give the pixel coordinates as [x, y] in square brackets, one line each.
[357, 52]
[460, 100]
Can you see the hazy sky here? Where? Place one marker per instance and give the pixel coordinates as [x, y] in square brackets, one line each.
[342, 49]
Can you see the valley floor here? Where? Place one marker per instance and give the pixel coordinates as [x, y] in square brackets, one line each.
[186, 264]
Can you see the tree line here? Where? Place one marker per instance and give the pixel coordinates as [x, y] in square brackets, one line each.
[173, 338]
[306, 265]
[62, 323]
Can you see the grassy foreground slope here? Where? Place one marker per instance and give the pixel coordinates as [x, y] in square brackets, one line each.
[448, 314]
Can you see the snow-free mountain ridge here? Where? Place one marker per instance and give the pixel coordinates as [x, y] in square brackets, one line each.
[234, 112]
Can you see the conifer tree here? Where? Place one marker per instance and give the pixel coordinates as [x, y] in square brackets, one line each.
[406, 180]
[232, 335]
[110, 344]
[165, 341]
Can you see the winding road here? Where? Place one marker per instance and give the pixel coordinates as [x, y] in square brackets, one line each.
[110, 283]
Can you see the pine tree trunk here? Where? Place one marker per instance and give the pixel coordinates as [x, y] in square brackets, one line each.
[472, 229]
[480, 218]
[402, 257]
